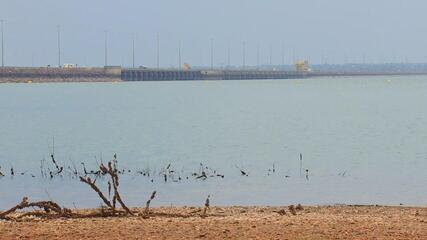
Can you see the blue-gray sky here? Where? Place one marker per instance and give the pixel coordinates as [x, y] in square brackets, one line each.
[338, 30]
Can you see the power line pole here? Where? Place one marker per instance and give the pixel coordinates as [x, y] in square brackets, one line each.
[294, 56]
[105, 49]
[2, 42]
[179, 55]
[133, 51]
[158, 52]
[228, 54]
[212, 53]
[283, 54]
[257, 56]
[244, 54]
[59, 44]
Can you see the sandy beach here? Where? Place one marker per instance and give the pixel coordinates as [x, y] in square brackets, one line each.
[324, 222]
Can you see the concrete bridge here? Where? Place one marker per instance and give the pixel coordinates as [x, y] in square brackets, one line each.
[159, 75]
[113, 74]
[251, 74]
[177, 75]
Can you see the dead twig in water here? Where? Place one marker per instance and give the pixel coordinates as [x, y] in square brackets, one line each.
[147, 205]
[91, 183]
[112, 171]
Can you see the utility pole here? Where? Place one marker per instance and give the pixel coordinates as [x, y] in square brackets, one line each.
[2, 42]
[179, 55]
[59, 45]
[212, 53]
[133, 51]
[283, 54]
[257, 56]
[158, 52]
[294, 56]
[228, 54]
[244, 54]
[105, 49]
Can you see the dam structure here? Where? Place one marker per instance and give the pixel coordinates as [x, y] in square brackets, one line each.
[135, 74]
[119, 74]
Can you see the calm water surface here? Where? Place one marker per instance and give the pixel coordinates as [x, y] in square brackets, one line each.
[364, 140]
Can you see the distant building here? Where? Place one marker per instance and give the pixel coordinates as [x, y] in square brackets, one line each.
[69, 65]
[302, 66]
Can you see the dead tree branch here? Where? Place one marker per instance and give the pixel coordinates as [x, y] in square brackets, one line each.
[111, 170]
[91, 183]
[47, 206]
[147, 205]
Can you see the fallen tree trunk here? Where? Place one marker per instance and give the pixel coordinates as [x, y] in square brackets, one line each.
[47, 206]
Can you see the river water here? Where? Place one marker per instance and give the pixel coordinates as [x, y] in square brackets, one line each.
[363, 140]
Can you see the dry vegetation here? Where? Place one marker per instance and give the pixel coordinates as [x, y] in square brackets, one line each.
[115, 220]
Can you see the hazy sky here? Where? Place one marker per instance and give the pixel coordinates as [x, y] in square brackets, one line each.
[339, 30]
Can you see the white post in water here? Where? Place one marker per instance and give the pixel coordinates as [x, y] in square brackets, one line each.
[300, 164]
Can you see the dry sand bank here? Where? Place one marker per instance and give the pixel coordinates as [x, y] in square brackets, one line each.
[326, 222]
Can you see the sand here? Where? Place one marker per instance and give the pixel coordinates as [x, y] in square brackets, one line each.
[324, 222]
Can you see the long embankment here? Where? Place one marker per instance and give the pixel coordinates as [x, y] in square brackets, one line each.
[113, 74]
[48, 74]
[117, 73]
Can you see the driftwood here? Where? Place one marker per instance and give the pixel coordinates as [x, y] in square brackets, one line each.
[147, 205]
[111, 170]
[91, 183]
[47, 206]
[51, 210]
